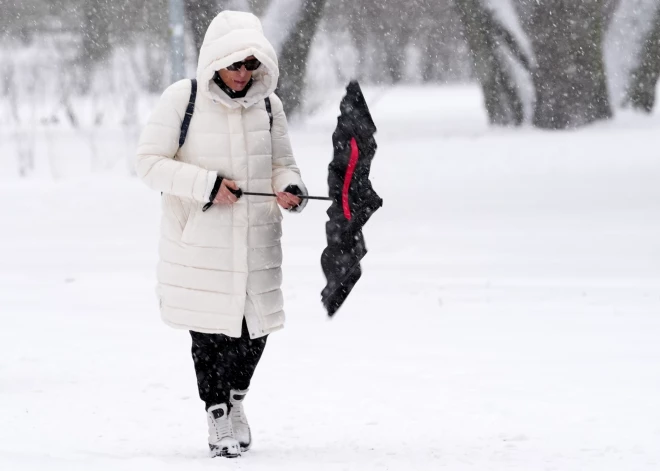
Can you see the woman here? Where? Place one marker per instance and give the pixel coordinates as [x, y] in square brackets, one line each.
[219, 272]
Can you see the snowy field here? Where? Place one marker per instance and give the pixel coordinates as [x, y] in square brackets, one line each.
[508, 318]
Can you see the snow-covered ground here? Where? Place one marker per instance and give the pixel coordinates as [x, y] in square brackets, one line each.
[508, 317]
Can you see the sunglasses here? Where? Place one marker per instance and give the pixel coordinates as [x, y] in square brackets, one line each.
[250, 64]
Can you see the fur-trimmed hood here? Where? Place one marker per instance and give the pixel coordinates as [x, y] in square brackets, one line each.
[231, 37]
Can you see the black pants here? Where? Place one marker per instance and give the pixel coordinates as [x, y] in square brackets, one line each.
[224, 363]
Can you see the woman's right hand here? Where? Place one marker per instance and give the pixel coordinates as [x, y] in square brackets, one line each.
[225, 196]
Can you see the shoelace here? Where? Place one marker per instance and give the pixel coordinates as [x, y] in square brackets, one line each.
[237, 413]
[223, 427]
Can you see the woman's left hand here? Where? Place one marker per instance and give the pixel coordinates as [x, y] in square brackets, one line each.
[287, 200]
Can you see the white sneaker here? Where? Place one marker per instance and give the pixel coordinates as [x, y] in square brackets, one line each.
[239, 421]
[221, 433]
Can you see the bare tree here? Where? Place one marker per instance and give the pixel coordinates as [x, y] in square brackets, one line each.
[384, 32]
[569, 79]
[391, 24]
[294, 54]
[96, 31]
[644, 77]
[96, 45]
[439, 34]
[354, 17]
[482, 31]
[21, 19]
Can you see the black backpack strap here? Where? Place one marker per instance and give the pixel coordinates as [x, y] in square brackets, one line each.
[189, 112]
[269, 110]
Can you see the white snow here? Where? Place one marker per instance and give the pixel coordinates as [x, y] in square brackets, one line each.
[507, 319]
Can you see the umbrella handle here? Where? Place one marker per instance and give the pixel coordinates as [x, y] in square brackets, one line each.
[238, 193]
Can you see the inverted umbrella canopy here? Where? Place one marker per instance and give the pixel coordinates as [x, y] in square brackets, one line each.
[353, 199]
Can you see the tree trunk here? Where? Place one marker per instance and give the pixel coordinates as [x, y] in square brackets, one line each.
[95, 41]
[609, 9]
[501, 96]
[395, 53]
[200, 13]
[432, 55]
[294, 55]
[570, 82]
[644, 77]
[96, 37]
[358, 29]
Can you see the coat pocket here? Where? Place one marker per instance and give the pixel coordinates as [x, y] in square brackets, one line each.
[189, 227]
[175, 215]
[212, 228]
[176, 209]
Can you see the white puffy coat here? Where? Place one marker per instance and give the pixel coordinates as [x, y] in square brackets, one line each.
[210, 261]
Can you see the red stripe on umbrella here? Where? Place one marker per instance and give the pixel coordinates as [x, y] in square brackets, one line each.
[355, 155]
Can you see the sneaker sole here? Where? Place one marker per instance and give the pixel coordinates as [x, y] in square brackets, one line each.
[245, 447]
[216, 452]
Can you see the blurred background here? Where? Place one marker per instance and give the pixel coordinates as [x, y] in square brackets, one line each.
[84, 73]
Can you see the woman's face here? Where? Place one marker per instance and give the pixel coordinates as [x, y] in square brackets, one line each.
[237, 79]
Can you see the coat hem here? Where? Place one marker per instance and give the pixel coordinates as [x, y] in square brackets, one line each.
[228, 333]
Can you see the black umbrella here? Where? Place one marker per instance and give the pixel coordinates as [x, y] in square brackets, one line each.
[353, 198]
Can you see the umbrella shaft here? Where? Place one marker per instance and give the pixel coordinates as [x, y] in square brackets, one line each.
[324, 198]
